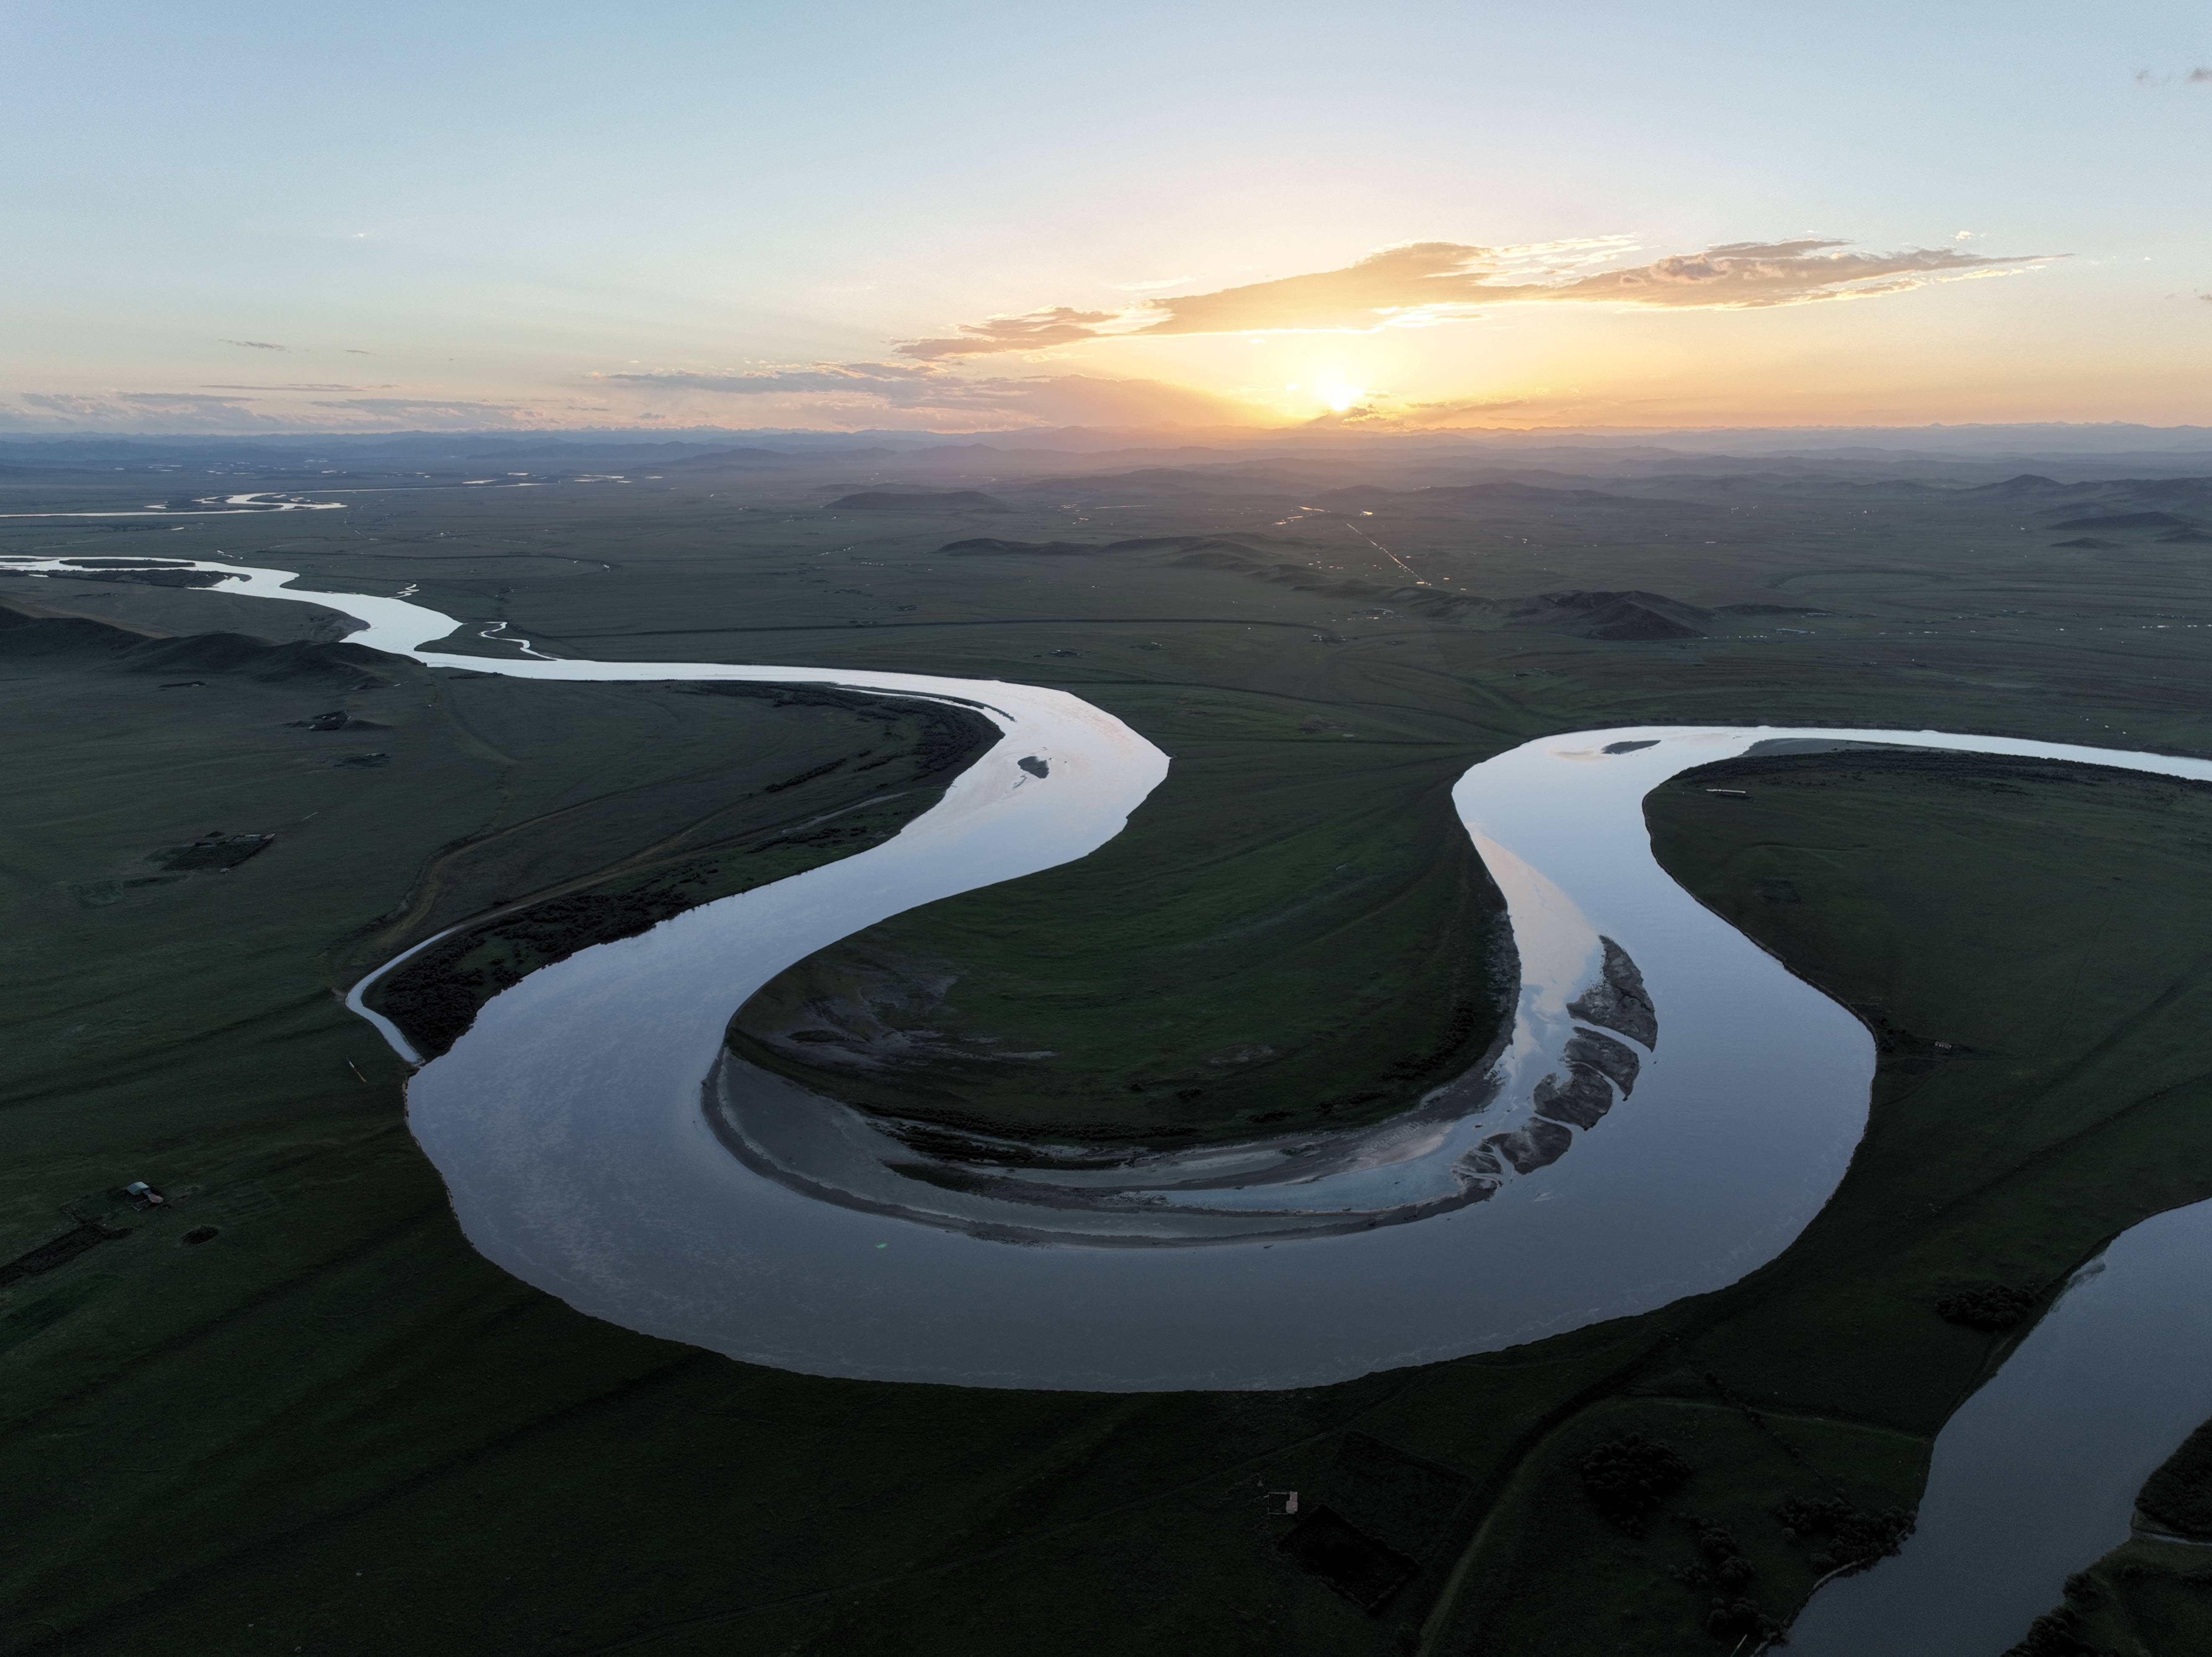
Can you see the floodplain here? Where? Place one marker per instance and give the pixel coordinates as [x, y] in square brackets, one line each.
[327, 1423]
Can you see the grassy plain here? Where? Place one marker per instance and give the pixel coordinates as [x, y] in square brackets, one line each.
[333, 1428]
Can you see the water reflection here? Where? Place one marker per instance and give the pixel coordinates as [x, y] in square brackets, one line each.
[582, 1129]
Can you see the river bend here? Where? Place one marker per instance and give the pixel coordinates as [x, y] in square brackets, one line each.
[1670, 1109]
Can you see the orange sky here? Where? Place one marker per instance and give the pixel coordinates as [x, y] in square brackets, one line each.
[976, 215]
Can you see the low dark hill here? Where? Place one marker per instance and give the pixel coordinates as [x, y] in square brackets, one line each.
[1610, 616]
[2126, 520]
[1617, 616]
[917, 501]
[2168, 491]
[2106, 503]
[1159, 480]
[23, 634]
[1242, 478]
[1625, 616]
[1236, 558]
[720, 457]
[256, 659]
[136, 574]
[1475, 494]
[2030, 484]
[987, 545]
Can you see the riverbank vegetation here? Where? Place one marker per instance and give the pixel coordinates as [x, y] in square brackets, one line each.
[2152, 1594]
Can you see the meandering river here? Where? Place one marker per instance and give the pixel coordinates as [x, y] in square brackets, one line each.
[1671, 1108]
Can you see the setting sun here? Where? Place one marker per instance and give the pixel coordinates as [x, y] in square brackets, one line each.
[907, 958]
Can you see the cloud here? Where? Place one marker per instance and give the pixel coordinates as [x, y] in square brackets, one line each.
[219, 414]
[1422, 276]
[184, 399]
[176, 411]
[1753, 276]
[1424, 283]
[1032, 330]
[64, 403]
[392, 406]
[872, 377]
[926, 390]
[1096, 400]
[1384, 412]
[257, 345]
[2198, 77]
[299, 387]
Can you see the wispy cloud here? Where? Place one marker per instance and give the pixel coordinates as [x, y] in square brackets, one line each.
[926, 389]
[1751, 276]
[421, 405]
[299, 387]
[1415, 284]
[870, 378]
[188, 411]
[182, 398]
[1426, 283]
[222, 410]
[1032, 330]
[71, 402]
[257, 345]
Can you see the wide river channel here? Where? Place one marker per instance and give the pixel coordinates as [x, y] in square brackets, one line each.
[1671, 1108]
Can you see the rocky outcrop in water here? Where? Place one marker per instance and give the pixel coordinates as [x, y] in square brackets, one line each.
[1618, 1000]
[1583, 1098]
[1592, 1066]
[1615, 1060]
[1537, 1145]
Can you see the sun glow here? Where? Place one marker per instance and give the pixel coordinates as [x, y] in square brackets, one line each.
[1341, 398]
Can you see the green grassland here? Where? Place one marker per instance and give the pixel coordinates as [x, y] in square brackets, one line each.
[333, 1428]
[1323, 947]
[1301, 866]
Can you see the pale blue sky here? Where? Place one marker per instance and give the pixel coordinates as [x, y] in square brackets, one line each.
[449, 206]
